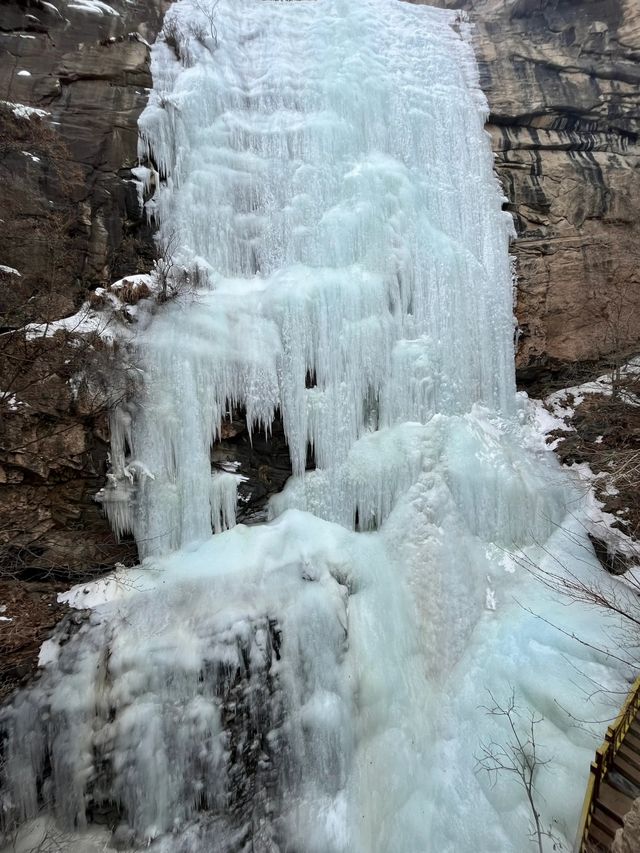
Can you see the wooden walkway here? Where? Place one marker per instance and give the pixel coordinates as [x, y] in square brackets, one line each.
[614, 781]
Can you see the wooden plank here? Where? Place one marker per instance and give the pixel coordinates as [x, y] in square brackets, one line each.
[629, 771]
[628, 754]
[605, 821]
[601, 798]
[600, 836]
[613, 802]
[635, 727]
[630, 706]
[586, 807]
[633, 741]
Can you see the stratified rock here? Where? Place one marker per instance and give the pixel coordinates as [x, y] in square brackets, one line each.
[89, 69]
[72, 220]
[563, 83]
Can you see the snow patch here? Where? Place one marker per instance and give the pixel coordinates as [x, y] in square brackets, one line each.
[86, 321]
[49, 653]
[53, 8]
[601, 524]
[95, 7]
[23, 111]
[10, 400]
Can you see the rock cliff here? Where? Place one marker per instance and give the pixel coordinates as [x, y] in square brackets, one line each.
[563, 83]
[73, 78]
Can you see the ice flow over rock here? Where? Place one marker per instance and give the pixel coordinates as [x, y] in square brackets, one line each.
[312, 684]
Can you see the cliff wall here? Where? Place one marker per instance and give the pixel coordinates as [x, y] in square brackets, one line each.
[71, 221]
[563, 83]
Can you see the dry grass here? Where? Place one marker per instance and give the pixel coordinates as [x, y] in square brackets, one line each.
[33, 611]
[607, 438]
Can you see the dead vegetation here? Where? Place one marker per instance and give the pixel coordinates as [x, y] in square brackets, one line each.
[516, 756]
[177, 34]
[605, 434]
[29, 611]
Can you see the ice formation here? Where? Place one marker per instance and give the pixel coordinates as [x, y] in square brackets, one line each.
[313, 684]
[334, 214]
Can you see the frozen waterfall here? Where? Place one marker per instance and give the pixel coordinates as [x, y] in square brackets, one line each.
[312, 684]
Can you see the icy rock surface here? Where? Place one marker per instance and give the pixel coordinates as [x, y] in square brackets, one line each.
[313, 684]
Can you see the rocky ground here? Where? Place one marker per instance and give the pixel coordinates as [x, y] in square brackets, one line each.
[596, 431]
[29, 612]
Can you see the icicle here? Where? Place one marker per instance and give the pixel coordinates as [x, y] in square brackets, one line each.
[224, 492]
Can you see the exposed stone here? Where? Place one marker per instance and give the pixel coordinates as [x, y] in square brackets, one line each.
[72, 221]
[261, 459]
[91, 73]
[627, 839]
[563, 83]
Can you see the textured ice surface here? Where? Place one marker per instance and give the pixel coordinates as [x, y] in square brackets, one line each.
[328, 174]
[313, 684]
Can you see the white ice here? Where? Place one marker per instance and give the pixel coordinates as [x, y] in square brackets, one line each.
[316, 683]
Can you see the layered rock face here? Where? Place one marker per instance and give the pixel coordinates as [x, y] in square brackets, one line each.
[72, 220]
[563, 83]
[87, 65]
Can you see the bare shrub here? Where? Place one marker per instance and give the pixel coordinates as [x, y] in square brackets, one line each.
[618, 601]
[209, 11]
[172, 279]
[620, 318]
[517, 757]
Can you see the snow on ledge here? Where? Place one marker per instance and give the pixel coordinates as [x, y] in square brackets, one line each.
[48, 653]
[93, 7]
[119, 584]
[10, 401]
[85, 322]
[9, 270]
[554, 414]
[52, 8]
[104, 321]
[23, 111]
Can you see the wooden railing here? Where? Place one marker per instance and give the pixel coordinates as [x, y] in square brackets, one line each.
[605, 754]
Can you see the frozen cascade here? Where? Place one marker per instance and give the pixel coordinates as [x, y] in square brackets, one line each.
[312, 684]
